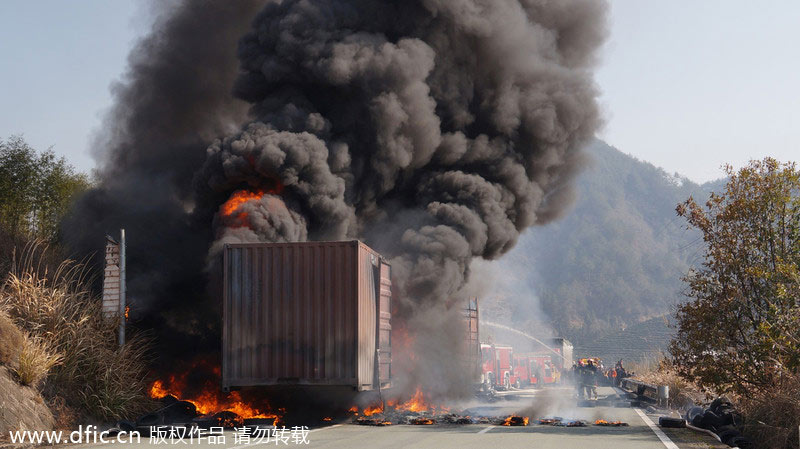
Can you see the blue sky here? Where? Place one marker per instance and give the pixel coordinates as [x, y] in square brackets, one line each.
[690, 85]
[687, 85]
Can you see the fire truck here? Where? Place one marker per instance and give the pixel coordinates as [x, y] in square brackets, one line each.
[496, 369]
[547, 371]
[534, 369]
[522, 371]
[500, 368]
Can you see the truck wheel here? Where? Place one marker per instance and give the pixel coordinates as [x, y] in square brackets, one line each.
[518, 384]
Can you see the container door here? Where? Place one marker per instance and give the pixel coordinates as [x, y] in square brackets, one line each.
[384, 273]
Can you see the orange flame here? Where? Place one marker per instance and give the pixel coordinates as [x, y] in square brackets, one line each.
[369, 411]
[422, 421]
[239, 197]
[211, 399]
[603, 422]
[157, 390]
[515, 420]
[417, 403]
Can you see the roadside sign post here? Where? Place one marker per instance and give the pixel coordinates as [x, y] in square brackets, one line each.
[114, 292]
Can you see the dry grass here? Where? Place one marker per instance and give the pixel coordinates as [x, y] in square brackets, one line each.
[35, 361]
[66, 417]
[95, 375]
[28, 357]
[646, 365]
[773, 417]
[660, 371]
[11, 340]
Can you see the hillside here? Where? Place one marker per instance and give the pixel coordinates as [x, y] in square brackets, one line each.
[644, 340]
[615, 260]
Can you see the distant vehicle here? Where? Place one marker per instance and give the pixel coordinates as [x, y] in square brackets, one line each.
[524, 371]
[563, 347]
[496, 370]
[535, 369]
[549, 372]
[501, 368]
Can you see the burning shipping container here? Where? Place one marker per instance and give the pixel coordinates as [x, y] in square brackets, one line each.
[311, 313]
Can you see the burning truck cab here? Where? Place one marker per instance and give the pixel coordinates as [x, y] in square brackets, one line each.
[310, 314]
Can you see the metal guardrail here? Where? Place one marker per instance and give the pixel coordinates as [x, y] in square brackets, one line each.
[643, 390]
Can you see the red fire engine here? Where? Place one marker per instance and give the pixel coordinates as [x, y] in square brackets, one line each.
[523, 373]
[547, 372]
[534, 369]
[496, 370]
[501, 368]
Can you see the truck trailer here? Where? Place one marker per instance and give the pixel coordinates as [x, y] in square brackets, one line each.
[310, 314]
[563, 347]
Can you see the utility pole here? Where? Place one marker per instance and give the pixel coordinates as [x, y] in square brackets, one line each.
[122, 287]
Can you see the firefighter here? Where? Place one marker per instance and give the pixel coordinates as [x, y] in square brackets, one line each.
[576, 376]
[589, 380]
[621, 374]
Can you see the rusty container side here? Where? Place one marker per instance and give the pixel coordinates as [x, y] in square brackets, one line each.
[299, 314]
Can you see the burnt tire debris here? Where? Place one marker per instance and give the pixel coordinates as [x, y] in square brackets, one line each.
[721, 418]
[183, 414]
[668, 421]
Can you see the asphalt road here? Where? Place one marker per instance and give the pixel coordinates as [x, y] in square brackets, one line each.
[534, 403]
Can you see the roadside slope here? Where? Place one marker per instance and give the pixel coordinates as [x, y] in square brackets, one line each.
[21, 408]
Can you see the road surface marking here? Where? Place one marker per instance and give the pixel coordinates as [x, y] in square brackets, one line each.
[487, 429]
[659, 433]
[326, 427]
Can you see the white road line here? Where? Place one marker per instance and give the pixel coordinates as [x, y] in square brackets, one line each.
[659, 433]
[486, 429]
[326, 427]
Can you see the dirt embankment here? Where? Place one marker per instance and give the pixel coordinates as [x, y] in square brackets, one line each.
[21, 407]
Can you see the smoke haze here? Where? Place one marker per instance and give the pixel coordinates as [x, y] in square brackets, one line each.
[434, 130]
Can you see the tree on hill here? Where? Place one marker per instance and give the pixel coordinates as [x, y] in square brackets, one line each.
[36, 189]
[740, 331]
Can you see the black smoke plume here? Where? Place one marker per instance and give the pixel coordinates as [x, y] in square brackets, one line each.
[434, 130]
[173, 101]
